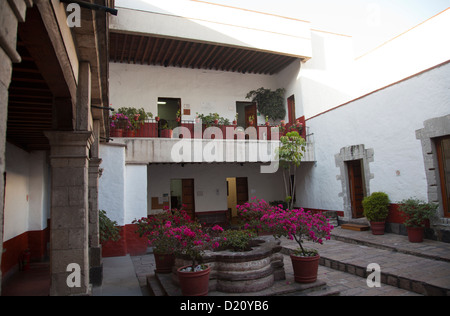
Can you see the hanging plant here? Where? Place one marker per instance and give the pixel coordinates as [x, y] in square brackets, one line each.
[270, 103]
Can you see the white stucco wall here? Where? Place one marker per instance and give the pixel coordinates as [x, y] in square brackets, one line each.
[111, 193]
[203, 91]
[27, 200]
[385, 121]
[210, 183]
[135, 192]
[324, 81]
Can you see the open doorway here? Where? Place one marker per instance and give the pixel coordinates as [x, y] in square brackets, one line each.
[167, 112]
[237, 194]
[245, 110]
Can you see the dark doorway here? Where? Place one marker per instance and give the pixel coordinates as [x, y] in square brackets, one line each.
[443, 152]
[356, 187]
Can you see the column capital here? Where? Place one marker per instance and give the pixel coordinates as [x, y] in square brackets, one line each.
[69, 144]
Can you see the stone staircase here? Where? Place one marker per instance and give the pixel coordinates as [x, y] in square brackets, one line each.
[162, 285]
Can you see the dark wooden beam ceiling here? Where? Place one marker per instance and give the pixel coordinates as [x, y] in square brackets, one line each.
[157, 51]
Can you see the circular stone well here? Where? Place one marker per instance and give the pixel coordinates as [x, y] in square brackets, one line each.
[244, 272]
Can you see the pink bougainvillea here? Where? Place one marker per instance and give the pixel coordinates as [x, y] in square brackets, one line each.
[296, 224]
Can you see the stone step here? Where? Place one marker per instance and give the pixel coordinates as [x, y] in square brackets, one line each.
[355, 227]
[154, 286]
[412, 273]
[280, 288]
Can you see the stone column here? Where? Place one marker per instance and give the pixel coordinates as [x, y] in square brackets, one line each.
[69, 243]
[95, 250]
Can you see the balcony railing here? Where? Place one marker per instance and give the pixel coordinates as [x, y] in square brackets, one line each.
[193, 130]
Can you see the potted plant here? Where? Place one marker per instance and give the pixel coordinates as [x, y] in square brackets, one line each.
[216, 117]
[416, 214]
[166, 132]
[251, 119]
[120, 123]
[192, 241]
[109, 232]
[236, 119]
[156, 228]
[178, 116]
[299, 225]
[376, 210]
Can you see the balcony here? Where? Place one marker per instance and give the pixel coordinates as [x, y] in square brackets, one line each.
[190, 129]
[191, 142]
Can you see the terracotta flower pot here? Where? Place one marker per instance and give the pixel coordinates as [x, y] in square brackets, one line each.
[194, 283]
[378, 228]
[164, 262]
[415, 234]
[305, 268]
[117, 132]
[166, 133]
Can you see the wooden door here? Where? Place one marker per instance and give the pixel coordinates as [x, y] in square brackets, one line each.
[188, 197]
[443, 153]
[291, 109]
[356, 187]
[241, 190]
[250, 110]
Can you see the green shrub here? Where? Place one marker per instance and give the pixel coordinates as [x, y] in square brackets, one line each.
[416, 212]
[237, 240]
[108, 228]
[376, 207]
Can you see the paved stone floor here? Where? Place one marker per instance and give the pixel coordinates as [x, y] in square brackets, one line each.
[347, 284]
[422, 268]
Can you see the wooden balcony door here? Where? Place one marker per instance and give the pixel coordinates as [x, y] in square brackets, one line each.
[251, 110]
[443, 153]
[291, 109]
[356, 187]
[188, 196]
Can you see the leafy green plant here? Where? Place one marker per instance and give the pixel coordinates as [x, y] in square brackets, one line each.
[416, 212]
[137, 117]
[237, 240]
[376, 207]
[212, 118]
[270, 103]
[109, 230]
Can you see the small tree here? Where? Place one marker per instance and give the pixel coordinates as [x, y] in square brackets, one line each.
[290, 155]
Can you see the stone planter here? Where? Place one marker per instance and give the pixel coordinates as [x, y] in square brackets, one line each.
[243, 272]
